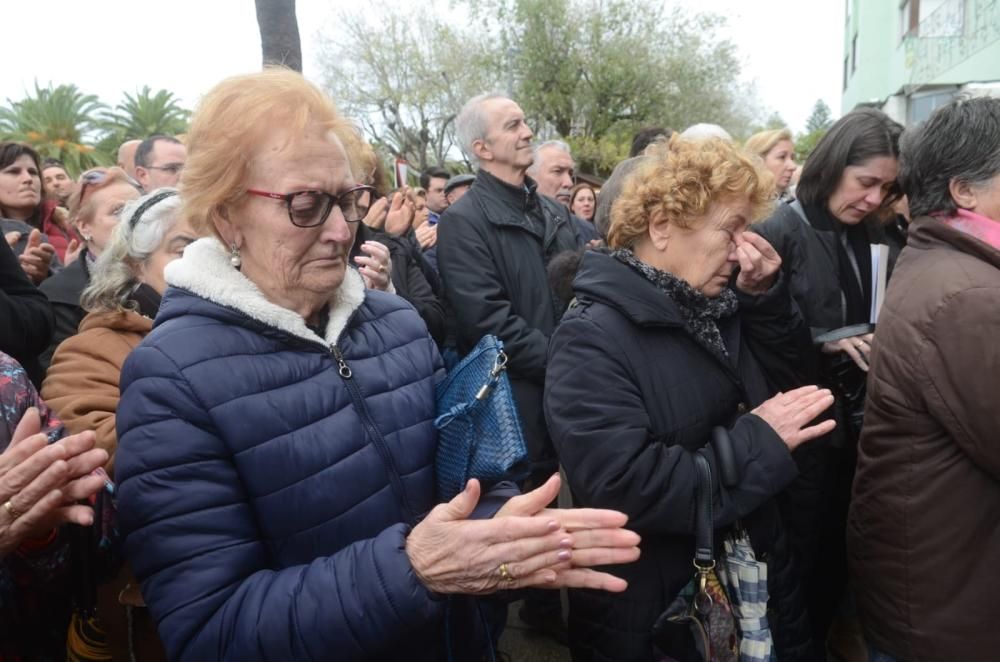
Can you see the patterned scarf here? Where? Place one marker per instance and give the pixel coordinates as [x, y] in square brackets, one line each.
[700, 313]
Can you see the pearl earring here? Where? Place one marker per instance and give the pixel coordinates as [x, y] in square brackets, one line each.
[234, 256]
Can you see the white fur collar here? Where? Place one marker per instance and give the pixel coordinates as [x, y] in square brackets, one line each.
[205, 270]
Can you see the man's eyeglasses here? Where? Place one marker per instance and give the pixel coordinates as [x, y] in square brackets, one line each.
[172, 168]
[307, 209]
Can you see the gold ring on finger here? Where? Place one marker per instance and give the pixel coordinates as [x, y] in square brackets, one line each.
[381, 268]
[504, 572]
[11, 510]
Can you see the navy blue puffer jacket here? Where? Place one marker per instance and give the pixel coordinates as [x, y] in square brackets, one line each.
[261, 514]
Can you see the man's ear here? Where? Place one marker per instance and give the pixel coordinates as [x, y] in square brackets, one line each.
[659, 230]
[963, 193]
[482, 150]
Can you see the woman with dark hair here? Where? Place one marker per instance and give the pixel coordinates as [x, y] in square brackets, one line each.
[922, 533]
[24, 212]
[825, 240]
[582, 201]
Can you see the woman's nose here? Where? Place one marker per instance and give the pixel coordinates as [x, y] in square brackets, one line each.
[336, 227]
[874, 196]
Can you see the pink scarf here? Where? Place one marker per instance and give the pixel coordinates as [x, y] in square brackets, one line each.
[981, 227]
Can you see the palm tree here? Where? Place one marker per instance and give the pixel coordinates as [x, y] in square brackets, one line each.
[58, 122]
[279, 33]
[145, 114]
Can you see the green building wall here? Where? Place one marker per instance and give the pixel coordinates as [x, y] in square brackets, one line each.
[886, 70]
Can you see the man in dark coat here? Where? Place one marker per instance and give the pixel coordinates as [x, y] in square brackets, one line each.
[493, 247]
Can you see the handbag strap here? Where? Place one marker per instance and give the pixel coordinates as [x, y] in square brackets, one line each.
[378, 441]
[704, 553]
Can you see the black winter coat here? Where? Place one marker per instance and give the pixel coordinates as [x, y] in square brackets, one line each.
[815, 505]
[409, 278]
[809, 263]
[493, 247]
[630, 397]
[63, 290]
[25, 316]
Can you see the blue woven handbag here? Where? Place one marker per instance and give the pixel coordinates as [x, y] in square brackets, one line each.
[479, 430]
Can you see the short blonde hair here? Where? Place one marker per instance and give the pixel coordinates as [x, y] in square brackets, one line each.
[763, 142]
[229, 122]
[680, 180]
[81, 203]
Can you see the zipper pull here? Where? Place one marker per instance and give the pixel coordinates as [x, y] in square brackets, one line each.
[344, 369]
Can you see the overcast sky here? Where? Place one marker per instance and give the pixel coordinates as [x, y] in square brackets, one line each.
[792, 49]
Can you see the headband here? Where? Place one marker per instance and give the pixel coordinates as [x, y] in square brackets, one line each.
[145, 206]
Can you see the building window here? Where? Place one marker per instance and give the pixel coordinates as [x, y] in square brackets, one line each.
[920, 106]
[846, 61]
[854, 54]
[909, 18]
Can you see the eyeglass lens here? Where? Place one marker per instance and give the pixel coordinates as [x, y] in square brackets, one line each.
[310, 208]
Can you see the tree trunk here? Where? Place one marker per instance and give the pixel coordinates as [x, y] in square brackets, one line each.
[279, 33]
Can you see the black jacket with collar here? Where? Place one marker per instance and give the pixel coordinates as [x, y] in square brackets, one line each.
[25, 316]
[409, 278]
[808, 252]
[493, 247]
[630, 398]
[64, 290]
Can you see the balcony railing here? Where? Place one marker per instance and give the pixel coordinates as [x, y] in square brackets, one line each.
[950, 35]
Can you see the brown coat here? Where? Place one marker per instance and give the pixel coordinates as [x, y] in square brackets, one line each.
[81, 385]
[923, 534]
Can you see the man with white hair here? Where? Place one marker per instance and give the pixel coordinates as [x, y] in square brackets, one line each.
[553, 169]
[493, 248]
[704, 131]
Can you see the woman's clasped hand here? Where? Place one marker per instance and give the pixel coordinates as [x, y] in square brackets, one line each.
[40, 483]
[526, 544]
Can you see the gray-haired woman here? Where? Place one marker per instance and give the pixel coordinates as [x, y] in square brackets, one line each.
[122, 300]
[82, 383]
[922, 536]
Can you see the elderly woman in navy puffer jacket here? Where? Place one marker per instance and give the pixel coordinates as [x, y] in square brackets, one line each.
[276, 438]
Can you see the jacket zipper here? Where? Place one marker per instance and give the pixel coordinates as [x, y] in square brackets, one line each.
[373, 432]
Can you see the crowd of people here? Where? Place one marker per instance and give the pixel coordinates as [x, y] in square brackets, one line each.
[219, 361]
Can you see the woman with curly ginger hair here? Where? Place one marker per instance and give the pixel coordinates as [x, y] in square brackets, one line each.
[690, 331]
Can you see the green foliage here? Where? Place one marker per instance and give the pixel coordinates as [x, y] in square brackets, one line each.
[64, 123]
[145, 114]
[58, 122]
[590, 71]
[820, 119]
[599, 155]
[806, 143]
[774, 121]
[142, 115]
[589, 68]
